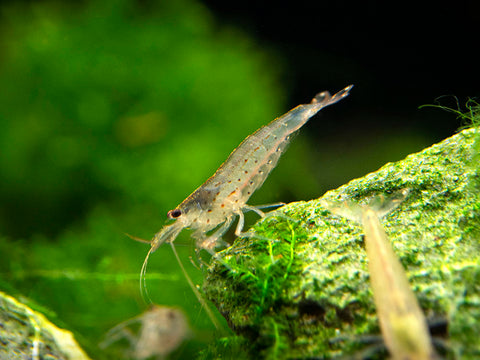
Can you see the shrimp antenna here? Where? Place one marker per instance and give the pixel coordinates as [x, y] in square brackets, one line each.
[200, 299]
[143, 273]
[143, 279]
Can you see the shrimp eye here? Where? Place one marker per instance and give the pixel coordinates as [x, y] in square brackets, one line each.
[173, 214]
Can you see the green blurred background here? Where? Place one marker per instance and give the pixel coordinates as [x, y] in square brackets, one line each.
[112, 112]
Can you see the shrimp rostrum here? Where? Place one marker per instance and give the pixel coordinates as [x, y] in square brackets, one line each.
[211, 209]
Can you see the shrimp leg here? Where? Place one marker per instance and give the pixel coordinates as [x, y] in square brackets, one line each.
[265, 206]
[210, 243]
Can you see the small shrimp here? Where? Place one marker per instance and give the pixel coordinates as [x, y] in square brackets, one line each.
[402, 321]
[163, 329]
[216, 203]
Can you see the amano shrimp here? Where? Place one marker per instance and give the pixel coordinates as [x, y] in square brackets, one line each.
[223, 197]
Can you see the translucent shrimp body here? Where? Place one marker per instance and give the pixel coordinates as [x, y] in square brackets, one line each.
[224, 195]
[162, 331]
[216, 203]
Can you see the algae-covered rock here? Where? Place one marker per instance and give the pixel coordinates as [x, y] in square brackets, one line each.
[299, 286]
[27, 334]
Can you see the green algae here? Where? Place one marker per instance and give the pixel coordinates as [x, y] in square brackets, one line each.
[298, 286]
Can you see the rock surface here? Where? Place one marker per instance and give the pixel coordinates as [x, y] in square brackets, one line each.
[27, 334]
[298, 288]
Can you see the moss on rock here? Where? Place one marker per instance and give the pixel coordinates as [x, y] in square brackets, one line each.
[298, 286]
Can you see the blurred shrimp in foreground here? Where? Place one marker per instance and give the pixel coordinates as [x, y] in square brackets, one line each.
[403, 324]
[162, 330]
